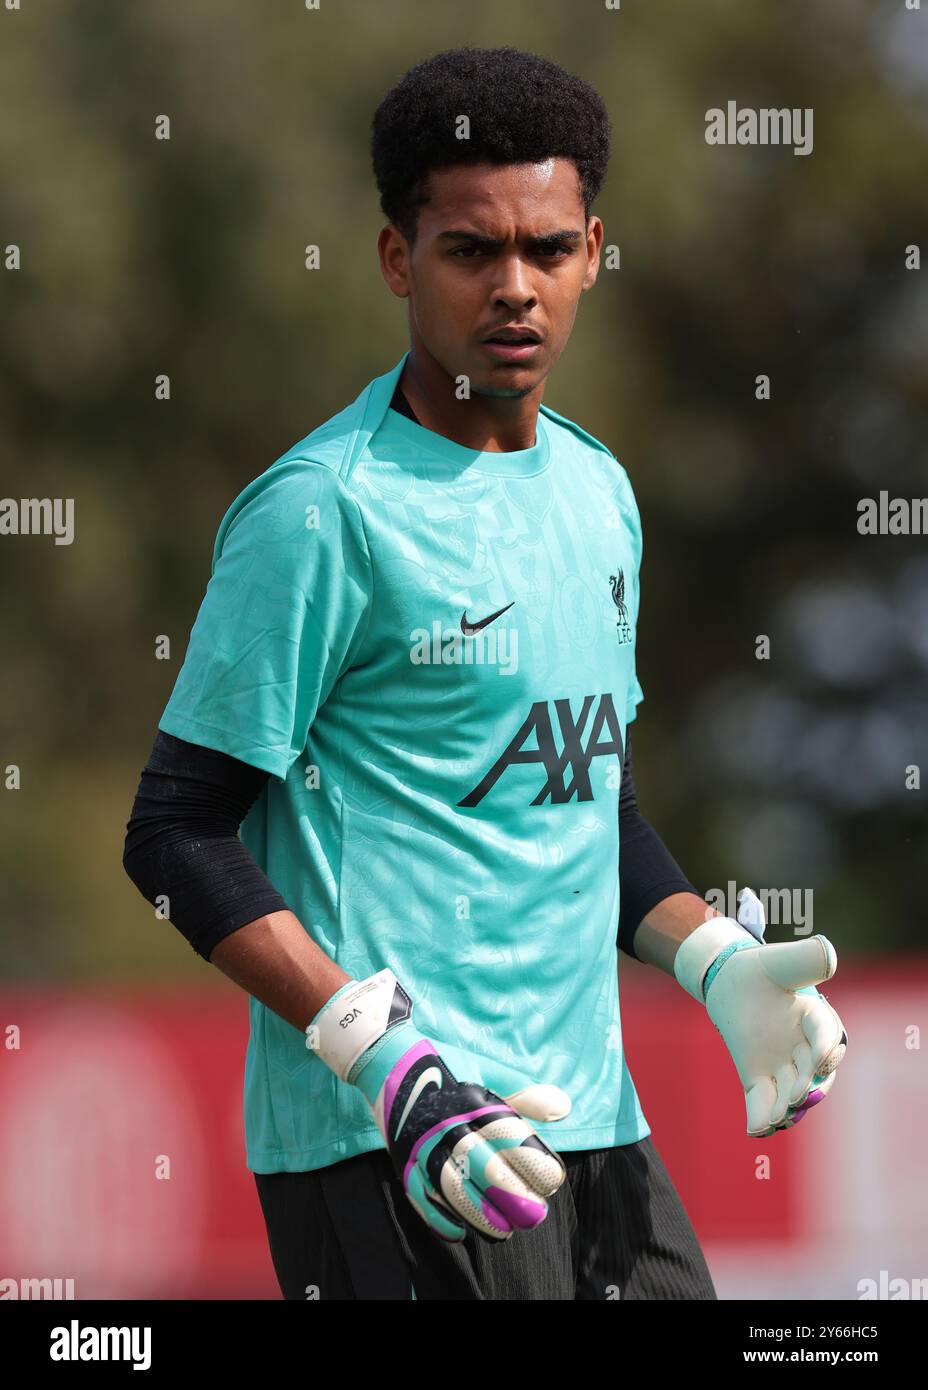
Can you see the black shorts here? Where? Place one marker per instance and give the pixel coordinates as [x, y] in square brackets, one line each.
[615, 1229]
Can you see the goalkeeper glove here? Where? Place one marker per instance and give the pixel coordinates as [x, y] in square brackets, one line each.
[463, 1153]
[785, 1039]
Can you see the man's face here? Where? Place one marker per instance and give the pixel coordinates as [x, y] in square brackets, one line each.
[497, 247]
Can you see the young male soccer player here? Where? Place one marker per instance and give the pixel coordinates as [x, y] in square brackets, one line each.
[410, 682]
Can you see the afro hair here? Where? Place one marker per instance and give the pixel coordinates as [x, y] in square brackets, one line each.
[522, 109]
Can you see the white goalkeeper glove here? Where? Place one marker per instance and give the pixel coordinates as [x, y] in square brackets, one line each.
[465, 1156]
[785, 1039]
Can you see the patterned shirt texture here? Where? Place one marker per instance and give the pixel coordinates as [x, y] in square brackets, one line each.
[431, 649]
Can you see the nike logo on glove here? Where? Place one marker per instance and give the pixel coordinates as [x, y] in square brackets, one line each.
[430, 1077]
[467, 628]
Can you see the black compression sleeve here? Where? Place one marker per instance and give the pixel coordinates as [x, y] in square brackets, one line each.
[648, 872]
[182, 844]
[182, 841]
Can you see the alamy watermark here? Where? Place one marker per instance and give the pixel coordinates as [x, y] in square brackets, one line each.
[788, 907]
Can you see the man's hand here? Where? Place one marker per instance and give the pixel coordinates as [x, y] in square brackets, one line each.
[463, 1152]
[785, 1039]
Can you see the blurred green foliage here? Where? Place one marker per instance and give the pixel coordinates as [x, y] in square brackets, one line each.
[186, 257]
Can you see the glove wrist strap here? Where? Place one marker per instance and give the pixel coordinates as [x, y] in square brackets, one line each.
[699, 951]
[720, 960]
[355, 1017]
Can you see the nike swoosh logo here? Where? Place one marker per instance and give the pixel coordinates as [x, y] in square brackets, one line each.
[467, 628]
[430, 1077]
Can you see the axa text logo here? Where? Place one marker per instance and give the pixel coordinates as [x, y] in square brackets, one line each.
[602, 735]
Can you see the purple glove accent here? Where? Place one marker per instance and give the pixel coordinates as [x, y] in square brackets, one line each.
[393, 1082]
[446, 1123]
[494, 1217]
[521, 1211]
[811, 1099]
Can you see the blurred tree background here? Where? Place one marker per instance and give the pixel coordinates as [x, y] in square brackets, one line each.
[186, 257]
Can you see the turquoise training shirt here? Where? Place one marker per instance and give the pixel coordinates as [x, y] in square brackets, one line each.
[432, 651]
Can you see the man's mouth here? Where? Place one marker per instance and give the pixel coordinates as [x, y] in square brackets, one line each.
[512, 347]
[513, 335]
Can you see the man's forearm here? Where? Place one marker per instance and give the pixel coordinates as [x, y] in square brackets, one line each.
[660, 932]
[275, 959]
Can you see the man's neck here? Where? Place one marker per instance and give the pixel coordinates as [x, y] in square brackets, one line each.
[399, 402]
[491, 424]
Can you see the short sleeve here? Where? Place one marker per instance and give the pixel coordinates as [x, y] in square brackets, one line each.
[632, 521]
[284, 614]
